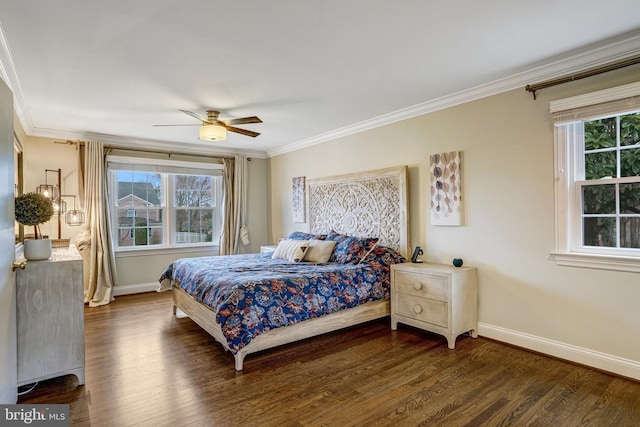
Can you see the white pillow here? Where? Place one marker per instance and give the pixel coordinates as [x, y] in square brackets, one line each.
[291, 250]
[319, 250]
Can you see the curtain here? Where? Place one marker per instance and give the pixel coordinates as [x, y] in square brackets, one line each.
[94, 241]
[234, 228]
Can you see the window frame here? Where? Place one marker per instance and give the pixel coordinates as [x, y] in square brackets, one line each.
[165, 168]
[569, 116]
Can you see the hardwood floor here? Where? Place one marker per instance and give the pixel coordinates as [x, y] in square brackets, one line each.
[144, 367]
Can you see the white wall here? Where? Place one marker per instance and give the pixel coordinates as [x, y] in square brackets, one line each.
[589, 316]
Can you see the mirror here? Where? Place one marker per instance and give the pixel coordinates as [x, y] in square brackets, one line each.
[18, 180]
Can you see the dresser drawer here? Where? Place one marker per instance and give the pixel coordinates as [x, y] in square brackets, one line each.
[421, 285]
[423, 309]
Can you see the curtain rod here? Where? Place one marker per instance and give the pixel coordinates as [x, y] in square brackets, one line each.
[143, 150]
[584, 74]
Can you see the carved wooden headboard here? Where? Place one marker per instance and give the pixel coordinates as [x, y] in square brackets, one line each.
[366, 204]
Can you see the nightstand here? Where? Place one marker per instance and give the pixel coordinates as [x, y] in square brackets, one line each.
[435, 297]
[267, 249]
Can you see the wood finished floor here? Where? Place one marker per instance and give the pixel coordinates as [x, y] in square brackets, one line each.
[144, 367]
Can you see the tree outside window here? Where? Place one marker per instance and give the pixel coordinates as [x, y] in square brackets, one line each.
[194, 208]
[611, 190]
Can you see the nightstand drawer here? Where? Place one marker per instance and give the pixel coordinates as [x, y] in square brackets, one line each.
[421, 285]
[423, 309]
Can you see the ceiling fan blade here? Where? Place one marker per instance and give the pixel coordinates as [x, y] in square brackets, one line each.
[242, 120]
[242, 131]
[193, 124]
[197, 116]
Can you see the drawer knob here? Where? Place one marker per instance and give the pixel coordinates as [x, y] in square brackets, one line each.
[417, 309]
[417, 285]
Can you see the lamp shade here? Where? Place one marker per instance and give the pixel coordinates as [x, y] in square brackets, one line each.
[74, 217]
[213, 133]
[48, 191]
[59, 205]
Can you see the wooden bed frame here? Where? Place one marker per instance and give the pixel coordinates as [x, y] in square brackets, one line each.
[368, 204]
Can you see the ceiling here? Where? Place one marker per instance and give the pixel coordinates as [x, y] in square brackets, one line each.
[311, 70]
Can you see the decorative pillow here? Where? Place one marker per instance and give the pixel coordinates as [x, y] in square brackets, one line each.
[291, 250]
[384, 255]
[375, 245]
[353, 249]
[337, 237]
[301, 235]
[319, 250]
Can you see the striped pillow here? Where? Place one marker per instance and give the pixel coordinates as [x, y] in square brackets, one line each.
[291, 250]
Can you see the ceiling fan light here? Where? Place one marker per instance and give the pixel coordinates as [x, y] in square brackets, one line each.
[213, 133]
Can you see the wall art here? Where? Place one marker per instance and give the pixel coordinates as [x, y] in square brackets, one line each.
[445, 170]
[299, 200]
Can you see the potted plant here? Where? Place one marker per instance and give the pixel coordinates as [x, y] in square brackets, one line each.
[34, 209]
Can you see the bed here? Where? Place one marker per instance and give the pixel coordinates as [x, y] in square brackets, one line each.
[334, 276]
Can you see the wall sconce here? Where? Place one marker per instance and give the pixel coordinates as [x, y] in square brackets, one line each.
[75, 216]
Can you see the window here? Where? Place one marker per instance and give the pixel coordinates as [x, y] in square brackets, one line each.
[163, 204]
[597, 143]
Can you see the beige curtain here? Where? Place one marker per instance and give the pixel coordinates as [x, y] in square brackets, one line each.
[234, 228]
[94, 241]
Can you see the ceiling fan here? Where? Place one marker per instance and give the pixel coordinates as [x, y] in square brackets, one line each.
[213, 129]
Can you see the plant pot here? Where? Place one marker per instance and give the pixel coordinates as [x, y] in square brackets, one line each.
[37, 249]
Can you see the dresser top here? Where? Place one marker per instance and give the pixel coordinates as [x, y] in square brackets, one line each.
[424, 266]
[57, 255]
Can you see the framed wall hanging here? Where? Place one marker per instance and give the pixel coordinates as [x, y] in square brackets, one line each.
[445, 171]
[299, 199]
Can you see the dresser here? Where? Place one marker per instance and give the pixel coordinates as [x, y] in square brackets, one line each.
[50, 317]
[435, 297]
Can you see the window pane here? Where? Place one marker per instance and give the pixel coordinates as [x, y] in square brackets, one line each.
[194, 226]
[206, 223]
[125, 236]
[155, 235]
[630, 162]
[599, 165]
[630, 129]
[599, 232]
[206, 199]
[600, 134]
[139, 208]
[194, 201]
[193, 190]
[630, 198]
[630, 232]
[598, 199]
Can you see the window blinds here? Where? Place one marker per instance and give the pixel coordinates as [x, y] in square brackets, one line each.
[162, 166]
[609, 102]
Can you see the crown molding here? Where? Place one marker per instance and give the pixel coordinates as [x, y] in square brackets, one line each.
[603, 54]
[147, 144]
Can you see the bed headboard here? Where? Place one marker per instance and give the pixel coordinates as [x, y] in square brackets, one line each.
[366, 204]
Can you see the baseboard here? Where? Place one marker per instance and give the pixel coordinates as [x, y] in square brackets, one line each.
[134, 289]
[606, 362]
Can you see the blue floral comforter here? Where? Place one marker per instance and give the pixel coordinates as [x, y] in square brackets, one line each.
[254, 293]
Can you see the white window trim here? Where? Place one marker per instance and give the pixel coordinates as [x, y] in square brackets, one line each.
[566, 252]
[170, 245]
